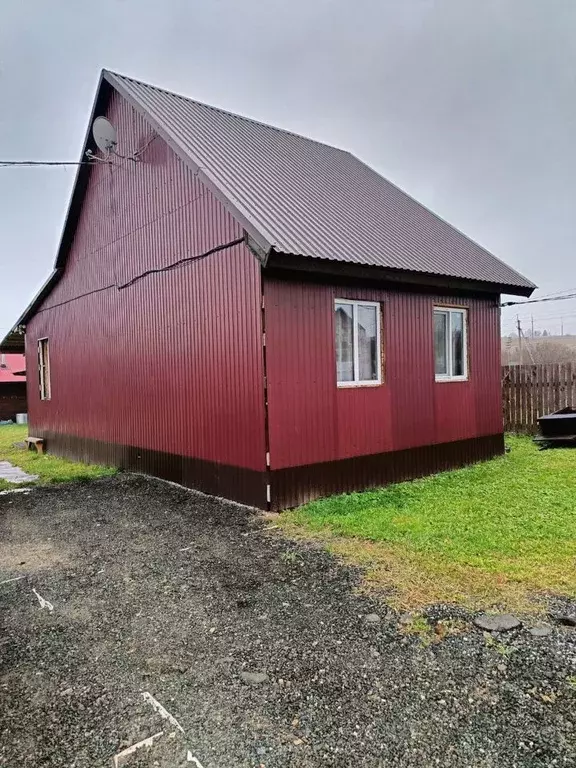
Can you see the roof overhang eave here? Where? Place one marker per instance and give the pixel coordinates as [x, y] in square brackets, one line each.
[331, 268]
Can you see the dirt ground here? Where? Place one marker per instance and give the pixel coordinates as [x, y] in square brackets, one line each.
[258, 649]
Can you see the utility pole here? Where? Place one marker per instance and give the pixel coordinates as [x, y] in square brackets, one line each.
[519, 339]
[528, 348]
[532, 322]
[561, 326]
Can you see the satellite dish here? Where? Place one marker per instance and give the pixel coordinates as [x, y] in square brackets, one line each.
[104, 134]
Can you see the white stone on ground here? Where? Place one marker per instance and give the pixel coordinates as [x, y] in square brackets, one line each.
[13, 474]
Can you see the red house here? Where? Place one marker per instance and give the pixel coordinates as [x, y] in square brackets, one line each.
[12, 386]
[261, 316]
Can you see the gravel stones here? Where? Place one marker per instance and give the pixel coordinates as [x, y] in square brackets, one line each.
[566, 619]
[340, 692]
[497, 622]
[540, 630]
[254, 678]
[372, 618]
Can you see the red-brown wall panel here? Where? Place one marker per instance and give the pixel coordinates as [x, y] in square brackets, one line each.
[359, 433]
[172, 363]
[300, 373]
[311, 420]
[409, 351]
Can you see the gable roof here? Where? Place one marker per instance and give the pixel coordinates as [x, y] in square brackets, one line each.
[293, 196]
[311, 199]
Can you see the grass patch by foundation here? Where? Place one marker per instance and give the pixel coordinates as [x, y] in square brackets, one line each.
[50, 469]
[495, 534]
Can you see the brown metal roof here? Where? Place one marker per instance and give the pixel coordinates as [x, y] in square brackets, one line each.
[299, 196]
[293, 196]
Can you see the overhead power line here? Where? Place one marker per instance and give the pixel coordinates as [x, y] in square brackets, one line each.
[92, 159]
[35, 163]
[167, 268]
[537, 301]
[557, 293]
[181, 262]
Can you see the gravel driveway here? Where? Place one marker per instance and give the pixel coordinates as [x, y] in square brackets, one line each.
[258, 649]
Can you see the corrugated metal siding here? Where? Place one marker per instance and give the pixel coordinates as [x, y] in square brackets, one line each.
[308, 198]
[297, 485]
[312, 421]
[173, 363]
[233, 482]
[300, 368]
[409, 351]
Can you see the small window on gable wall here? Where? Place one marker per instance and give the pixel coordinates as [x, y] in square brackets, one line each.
[450, 347]
[357, 342]
[44, 369]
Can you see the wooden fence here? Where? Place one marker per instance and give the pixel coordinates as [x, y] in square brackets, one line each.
[530, 391]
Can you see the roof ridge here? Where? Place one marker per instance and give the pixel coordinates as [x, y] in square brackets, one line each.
[227, 112]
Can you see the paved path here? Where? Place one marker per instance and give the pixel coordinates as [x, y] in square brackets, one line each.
[13, 474]
[146, 609]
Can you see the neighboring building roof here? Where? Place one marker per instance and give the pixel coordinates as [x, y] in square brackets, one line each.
[12, 368]
[293, 196]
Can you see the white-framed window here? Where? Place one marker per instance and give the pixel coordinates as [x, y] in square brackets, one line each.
[450, 344]
[357, 325]
[44, 369]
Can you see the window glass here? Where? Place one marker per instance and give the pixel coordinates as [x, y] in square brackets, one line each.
[450, 355]
[367, 342]
[457, 330]
[357, 327]
[440, 338]
[344, 342]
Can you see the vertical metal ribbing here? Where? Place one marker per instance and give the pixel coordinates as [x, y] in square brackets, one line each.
[173, 363]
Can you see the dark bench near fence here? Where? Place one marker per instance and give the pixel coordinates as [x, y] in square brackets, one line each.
[530, 391]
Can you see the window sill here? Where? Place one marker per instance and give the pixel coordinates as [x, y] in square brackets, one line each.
[356, 384]
[440, 379]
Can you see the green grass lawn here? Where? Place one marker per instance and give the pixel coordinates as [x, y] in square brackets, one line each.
[50, 469]
[496, 533]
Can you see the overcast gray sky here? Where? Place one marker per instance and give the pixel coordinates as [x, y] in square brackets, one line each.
[469, 105]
